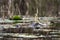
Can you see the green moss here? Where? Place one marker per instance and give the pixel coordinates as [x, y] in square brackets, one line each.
[16, 17]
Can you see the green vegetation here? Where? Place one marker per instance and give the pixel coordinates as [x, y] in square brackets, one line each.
[16, 17]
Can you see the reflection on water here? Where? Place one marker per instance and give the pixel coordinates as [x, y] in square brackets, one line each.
[28, 31]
